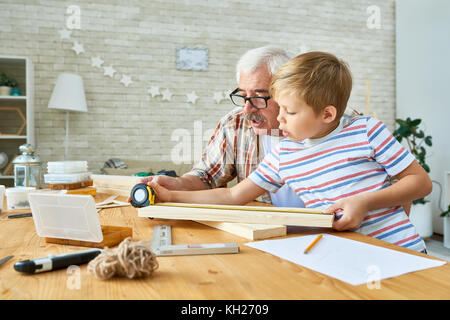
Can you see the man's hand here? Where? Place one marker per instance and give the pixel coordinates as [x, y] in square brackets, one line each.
[162, 194]
[353, 211]
[168, 182]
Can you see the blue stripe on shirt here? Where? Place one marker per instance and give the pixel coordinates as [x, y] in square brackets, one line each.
[343, 183]
[354, 163]
[387, 234]
[265, 179]
[374, 135]
[302, 163]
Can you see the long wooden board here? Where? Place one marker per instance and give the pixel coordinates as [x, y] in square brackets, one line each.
[122, 185]
[240, 214]
[114, 181]
[248, 231]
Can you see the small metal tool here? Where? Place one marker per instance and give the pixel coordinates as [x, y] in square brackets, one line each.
[6, 259]
[162, 245]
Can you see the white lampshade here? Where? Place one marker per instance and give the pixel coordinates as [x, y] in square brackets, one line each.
[68, 93]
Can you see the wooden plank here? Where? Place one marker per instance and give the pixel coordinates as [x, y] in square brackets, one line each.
[88, 190]
[114, 191]
[115, 182]
[71, 186]
[249, 231]
[257, 215]
[112, 235]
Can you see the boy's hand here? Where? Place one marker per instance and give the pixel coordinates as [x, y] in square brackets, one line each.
[162, 194]
[353, 211]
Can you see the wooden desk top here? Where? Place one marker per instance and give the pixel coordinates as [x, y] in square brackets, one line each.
[250, 274]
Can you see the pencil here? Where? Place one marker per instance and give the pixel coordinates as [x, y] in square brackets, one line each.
[313, 243]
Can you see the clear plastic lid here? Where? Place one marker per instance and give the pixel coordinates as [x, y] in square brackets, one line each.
[66, 177]
[65, 216]
[67, 166]
[19, 190]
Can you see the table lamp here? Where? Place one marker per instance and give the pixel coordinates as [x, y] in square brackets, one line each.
[68, 95]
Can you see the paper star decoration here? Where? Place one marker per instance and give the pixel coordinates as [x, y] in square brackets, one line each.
[126, 80]
[167, 95]
[218, 96]
[77, 47]
[192, 97]
[64, 34]
[226, 94]
[109, 71]
[96, 62]
[154, 91]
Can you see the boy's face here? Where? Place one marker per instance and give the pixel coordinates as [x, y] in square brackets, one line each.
[298, 120]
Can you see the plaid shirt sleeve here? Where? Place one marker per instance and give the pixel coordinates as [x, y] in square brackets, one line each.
[217, 165]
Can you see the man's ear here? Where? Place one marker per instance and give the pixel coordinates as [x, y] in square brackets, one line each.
[329, 114]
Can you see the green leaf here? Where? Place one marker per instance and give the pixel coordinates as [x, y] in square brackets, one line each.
[446, 213]
[419, 201]
[416, 122]
[428, 141]
[420, 134]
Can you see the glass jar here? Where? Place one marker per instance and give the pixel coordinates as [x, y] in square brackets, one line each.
[27, 168]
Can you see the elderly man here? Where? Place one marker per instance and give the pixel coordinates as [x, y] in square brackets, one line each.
[243, 136]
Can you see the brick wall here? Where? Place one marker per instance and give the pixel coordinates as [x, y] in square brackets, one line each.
[140, 39]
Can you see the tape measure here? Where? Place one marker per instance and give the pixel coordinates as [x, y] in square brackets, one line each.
[142, 196]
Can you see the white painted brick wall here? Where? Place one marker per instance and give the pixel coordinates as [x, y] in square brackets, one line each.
[140, 39]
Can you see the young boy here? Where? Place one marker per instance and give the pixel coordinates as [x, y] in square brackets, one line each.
[333, 162]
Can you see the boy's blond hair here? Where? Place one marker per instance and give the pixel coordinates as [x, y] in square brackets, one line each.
[319, 78]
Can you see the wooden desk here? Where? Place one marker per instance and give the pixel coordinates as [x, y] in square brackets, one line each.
[250, 274]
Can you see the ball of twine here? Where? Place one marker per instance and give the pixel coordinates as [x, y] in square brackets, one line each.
[130, 259]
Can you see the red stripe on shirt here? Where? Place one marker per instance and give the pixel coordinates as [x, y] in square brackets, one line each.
[407, 239]
[388, 139]
[395, 156]
[325, 166]
[324, 152]
[388, 227]
[379, 214]
[345, 195]
[339, 179]
[267, 177]
[374, 128]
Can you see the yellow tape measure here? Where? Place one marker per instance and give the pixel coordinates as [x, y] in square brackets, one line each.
[142, 196]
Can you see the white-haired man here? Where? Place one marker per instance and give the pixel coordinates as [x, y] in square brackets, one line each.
[244, 135]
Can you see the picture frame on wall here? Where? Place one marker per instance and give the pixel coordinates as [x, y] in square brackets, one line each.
[195, 58]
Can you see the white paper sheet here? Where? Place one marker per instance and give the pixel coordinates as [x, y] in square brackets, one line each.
[350, 261]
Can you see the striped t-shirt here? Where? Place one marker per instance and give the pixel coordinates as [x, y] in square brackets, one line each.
[360, 155]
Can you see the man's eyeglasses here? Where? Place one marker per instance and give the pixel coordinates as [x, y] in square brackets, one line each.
[256, 102]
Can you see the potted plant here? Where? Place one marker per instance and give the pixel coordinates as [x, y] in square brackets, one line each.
[6, 84]
[416, 140]
[446, 216]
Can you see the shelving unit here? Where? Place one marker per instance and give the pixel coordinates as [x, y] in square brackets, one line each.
[21, 69]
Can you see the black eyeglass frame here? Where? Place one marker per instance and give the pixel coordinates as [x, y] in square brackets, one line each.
[233, 94]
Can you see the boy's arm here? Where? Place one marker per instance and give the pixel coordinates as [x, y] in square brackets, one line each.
[414, 183]
[240, 194]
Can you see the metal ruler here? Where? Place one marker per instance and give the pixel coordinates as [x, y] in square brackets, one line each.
[162, 245]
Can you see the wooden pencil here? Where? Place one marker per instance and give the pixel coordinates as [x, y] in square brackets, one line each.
[313, 243]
